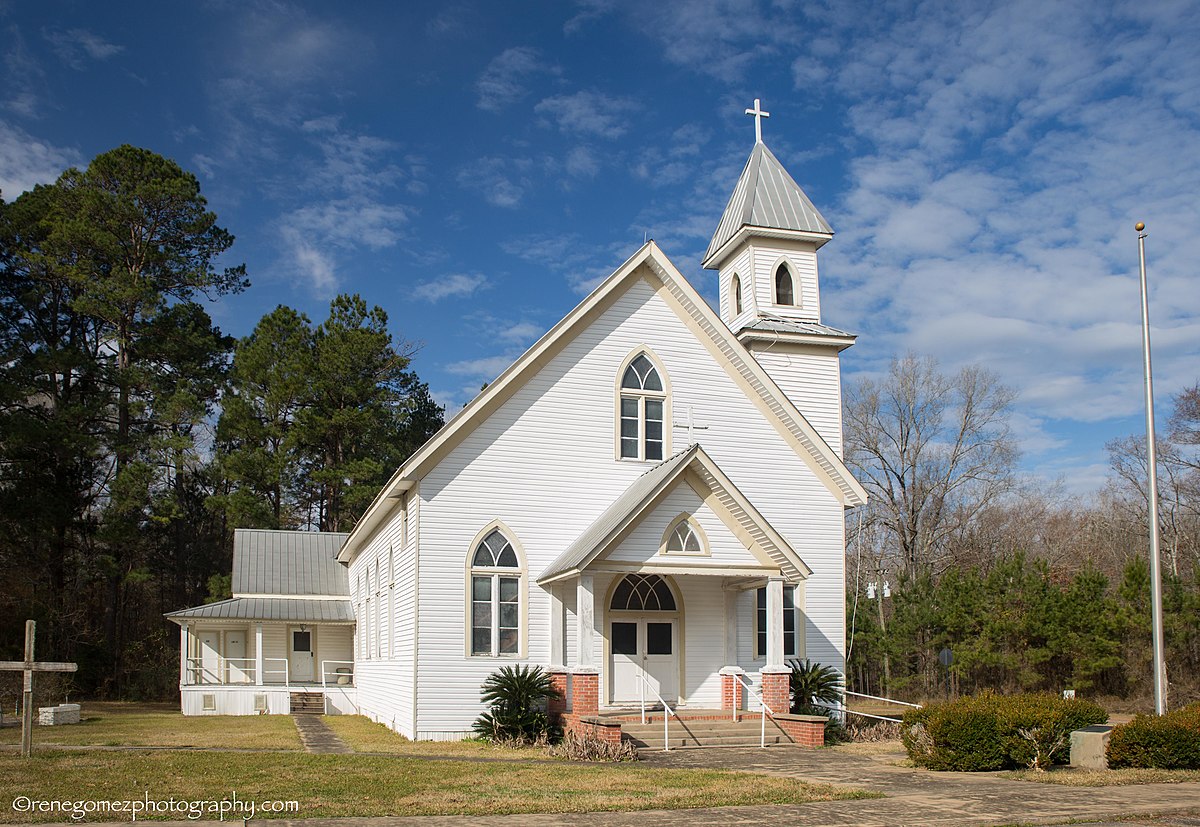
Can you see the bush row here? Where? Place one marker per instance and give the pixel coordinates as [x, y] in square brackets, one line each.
[986, 732]
[1165, 742]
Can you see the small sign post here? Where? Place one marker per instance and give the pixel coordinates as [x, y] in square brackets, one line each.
[29, 666]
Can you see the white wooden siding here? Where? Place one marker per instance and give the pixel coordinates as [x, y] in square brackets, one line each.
[803, 264]
[812, 379]
[543, 463]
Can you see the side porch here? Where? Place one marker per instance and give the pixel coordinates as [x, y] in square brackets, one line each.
[234, 665]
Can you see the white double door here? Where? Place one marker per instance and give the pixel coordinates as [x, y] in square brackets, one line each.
[647, 646]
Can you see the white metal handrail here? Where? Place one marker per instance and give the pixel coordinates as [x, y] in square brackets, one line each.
[762, 737]
[287, 681]
[877, 698]
[325, 673]
[666, 709]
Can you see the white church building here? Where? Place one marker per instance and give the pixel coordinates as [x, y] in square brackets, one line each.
[649, 503]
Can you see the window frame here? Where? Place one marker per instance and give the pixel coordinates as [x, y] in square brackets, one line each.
[784, 267]
[697, 529]
[494, 574]
[641, 396]
[735, 294]
[797, 649]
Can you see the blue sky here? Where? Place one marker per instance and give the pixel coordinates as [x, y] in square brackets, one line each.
[476, 167]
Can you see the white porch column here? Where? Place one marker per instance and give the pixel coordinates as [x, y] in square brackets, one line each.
[558, 651]
[731, 627]
[258, 654]
[184, 645]
[774, 621]
[585, 611]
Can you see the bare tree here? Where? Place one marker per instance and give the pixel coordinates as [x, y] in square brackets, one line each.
[932, 450]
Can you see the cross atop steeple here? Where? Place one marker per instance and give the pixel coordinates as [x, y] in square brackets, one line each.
[758, 116]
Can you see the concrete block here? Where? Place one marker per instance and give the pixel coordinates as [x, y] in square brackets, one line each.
[1089, 747]
[56, 715]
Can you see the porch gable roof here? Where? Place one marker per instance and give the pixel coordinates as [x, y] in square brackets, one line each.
[294, 610]
[639, 499]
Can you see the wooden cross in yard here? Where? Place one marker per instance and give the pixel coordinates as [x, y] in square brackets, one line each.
[29, 666]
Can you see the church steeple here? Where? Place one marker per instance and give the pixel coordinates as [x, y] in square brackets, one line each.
[765, 254]
[765, 246]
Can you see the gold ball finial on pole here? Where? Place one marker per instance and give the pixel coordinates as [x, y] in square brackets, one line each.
[1139, 226]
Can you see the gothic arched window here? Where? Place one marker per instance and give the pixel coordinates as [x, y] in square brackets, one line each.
[735, 290]
[495, 597]
[642, 405]
[643, 593]
[785, 292]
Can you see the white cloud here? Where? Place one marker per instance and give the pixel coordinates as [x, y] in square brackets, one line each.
[502, 181]
[485, 369]
[26, 161]
[589, 113]
[503, 82]
[74, 45]
[521, 332]
[456, 284]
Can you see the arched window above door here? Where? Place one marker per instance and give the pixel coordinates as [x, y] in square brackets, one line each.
[643, 593]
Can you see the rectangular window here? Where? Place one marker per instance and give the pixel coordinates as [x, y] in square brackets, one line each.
[654, 429]
[629, 427]
[481, 615]
[510, 615]
[792, 627]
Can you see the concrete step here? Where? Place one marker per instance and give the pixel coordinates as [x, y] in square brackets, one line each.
[703, 734]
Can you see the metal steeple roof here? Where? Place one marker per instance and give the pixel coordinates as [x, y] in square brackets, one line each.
[766, 196]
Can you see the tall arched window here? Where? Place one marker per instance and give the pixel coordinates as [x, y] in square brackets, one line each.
[785, 292]
[735, 290]
[642, 402]
[495, 597]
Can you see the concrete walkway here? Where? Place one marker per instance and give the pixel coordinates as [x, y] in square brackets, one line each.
[318, 738]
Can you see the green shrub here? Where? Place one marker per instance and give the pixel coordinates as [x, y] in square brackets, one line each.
[992, 732]
[813, 687]
[1165, 742]
[517, 698]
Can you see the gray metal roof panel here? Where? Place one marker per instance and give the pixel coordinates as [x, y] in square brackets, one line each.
[794, 326]
[630, 500]
[296, 610]
[766, 196]
[288, 562]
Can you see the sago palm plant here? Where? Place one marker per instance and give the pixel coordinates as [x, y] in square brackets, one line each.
[813, 684]
[517, 698]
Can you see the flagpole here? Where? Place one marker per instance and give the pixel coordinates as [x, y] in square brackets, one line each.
[1156, 619]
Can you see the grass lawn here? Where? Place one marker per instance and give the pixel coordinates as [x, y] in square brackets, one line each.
[1073, 777]
[364, 735]
[162, 725]
[367, 785]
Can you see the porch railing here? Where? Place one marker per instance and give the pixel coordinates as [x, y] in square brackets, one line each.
[763, 709]
[667, 711]
[336, 674]
[217, 671]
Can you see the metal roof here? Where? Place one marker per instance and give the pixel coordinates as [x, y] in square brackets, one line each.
[288, 562]
[794, 326]
[622, 509]
[296, 610]
[766, 196]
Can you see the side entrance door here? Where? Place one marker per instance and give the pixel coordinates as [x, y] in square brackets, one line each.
[644, 646]
[300, 655]
[235, 658]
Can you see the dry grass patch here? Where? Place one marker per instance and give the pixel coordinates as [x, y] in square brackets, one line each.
[1075, 777]
[364, 735]
[328, 786]
[162, 725]
[873, 749]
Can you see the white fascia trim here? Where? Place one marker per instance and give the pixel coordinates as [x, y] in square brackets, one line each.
[853, 494]
[840, 342]
[714, 261]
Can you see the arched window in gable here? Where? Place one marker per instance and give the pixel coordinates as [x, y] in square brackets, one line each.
[735, 290]
[785, 292]
[642, 405]
[495, 597]
[684, 536]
